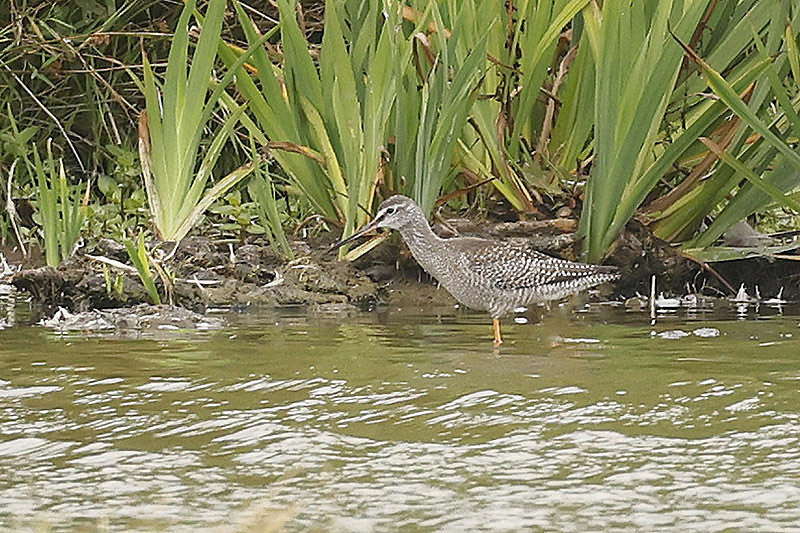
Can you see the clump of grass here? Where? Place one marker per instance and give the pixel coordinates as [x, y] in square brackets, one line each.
[62, 207]
[171, 129]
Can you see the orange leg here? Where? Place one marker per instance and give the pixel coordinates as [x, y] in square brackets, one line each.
[498, 339]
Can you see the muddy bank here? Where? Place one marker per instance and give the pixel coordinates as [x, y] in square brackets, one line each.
[204, 274]
[211, 274]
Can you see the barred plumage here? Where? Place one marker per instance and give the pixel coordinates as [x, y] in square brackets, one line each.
[495, 276]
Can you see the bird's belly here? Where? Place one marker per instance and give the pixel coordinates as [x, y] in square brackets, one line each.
[469, 288]
[473, 297]
[477, 294]
[496, 301]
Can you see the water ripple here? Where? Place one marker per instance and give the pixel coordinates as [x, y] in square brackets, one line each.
[358, 435]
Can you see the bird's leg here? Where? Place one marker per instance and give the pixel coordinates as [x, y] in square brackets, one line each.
[498, 339]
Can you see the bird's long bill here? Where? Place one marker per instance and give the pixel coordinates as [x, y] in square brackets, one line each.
[372, 226]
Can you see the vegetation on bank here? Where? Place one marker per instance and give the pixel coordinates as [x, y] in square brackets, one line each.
[125, 118]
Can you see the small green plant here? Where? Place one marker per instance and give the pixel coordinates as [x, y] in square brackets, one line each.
[237, 215]
[115, 284]
[137, 252]
[62, 207]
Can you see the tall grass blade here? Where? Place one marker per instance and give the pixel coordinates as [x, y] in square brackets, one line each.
[726, 93]
[262, 190]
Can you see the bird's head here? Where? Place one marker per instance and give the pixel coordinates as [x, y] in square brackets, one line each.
[394, 213]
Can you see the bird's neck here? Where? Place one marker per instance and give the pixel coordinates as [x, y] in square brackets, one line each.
[423, 242]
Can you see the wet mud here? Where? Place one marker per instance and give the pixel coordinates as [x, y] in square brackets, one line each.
[203, 274]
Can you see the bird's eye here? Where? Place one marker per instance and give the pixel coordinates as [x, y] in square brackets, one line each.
[390, 210]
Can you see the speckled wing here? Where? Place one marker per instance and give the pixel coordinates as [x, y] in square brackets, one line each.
[509, 266]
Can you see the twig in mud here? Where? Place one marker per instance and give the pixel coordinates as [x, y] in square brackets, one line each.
[172, 253]
[277, 280]
[6, 270]
[11, 209]
[707, 267]
[111, 262]
[127, 268]
[306, 221]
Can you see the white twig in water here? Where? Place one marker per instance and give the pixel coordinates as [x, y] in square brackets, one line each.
[7, 270]
[653, 299]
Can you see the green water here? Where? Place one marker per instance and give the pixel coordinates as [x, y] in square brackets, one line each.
[404, 420]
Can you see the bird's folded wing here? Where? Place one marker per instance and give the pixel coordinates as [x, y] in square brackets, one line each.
[513, 267]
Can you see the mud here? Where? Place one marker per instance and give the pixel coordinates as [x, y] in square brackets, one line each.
[207, 274]
[142, 318]
[204, 274]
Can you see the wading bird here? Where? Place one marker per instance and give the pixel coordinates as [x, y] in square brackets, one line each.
[494, 276]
